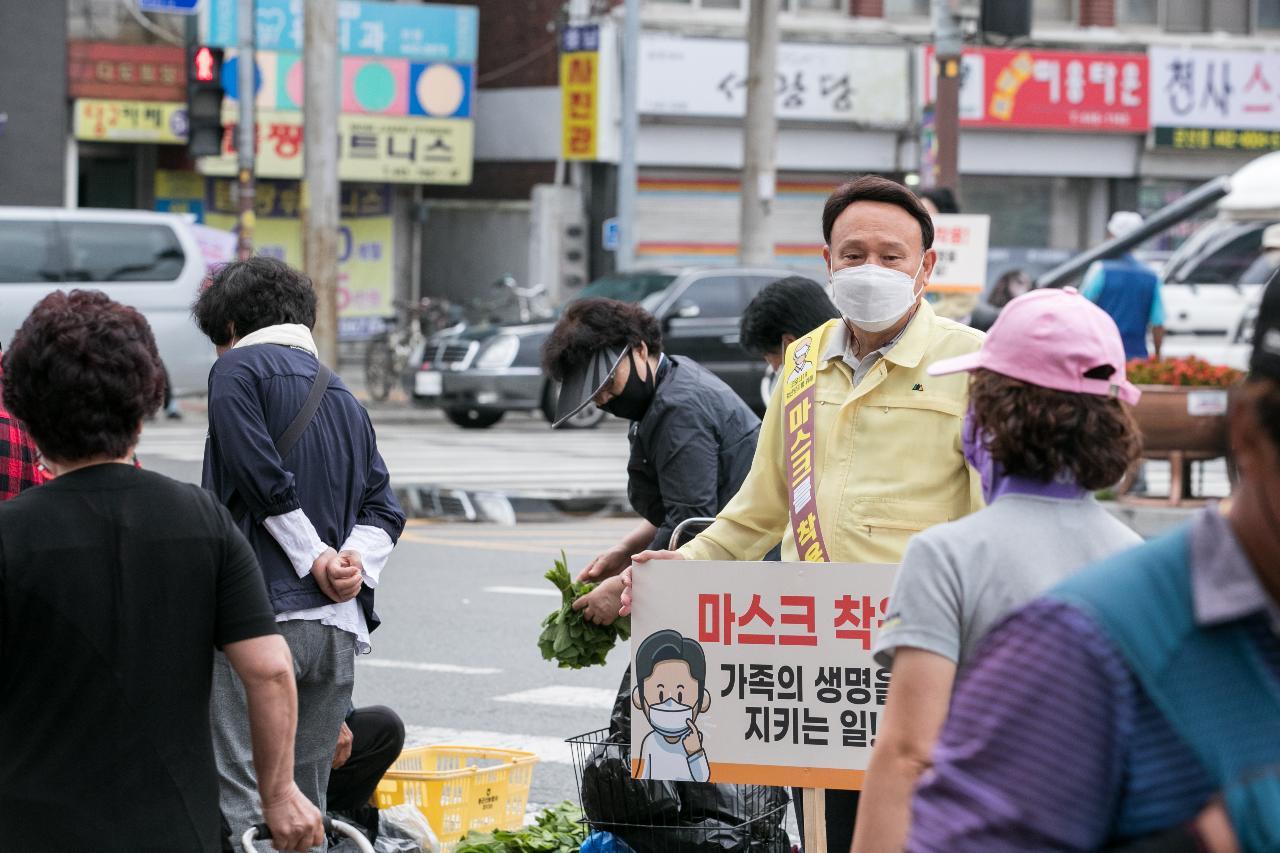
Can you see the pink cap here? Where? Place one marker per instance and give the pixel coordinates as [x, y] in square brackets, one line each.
[1052, 338]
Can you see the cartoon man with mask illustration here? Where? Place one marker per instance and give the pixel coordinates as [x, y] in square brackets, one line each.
[670, 671]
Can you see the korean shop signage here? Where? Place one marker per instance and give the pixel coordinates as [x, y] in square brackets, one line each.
[126, 72]
[757, 673]
[1048, 89]
[423, 31]
[371, 148]
[815, 82]
[102, 120]
[1215, 99]
[580, 92]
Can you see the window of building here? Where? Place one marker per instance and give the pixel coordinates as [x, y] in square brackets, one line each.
[906, 8]
[1266, 15]
[816, 5]
[1053, 11]
[1138, 12]
[111, 251]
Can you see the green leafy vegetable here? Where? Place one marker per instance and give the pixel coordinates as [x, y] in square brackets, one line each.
[566, 636]
[559, 829]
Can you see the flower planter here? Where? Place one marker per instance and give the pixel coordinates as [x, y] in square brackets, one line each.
[1189, 419]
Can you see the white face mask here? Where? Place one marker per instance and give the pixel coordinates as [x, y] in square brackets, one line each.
[873, 297]
[670, 718]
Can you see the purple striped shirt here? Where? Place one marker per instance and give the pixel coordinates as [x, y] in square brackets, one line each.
[1047, 722]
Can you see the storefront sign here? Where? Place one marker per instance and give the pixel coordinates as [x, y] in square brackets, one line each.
[580, 92]
[960, 240]
[1215, 99]
[1051, 90]
[126, 72]
[708, 77]
[425, 31]
[99, 120]
[371, 148]
[365, 235]
[790, 696]
[394, 87]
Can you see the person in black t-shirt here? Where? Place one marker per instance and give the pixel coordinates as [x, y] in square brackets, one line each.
[116, 585]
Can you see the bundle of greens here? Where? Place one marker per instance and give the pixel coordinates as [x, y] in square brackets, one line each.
[559, 829]
[566, 636]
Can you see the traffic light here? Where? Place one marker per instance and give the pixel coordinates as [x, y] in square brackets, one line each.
[204, 101]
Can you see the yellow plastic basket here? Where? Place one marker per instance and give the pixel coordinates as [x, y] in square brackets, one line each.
[460, 788]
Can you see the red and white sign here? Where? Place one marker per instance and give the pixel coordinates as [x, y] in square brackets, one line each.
[1050, 90]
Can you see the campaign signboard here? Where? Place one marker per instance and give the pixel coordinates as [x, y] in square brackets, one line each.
[757, 673]
[960, 239]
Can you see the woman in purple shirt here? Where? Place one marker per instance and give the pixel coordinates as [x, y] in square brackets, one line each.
[1047, 426]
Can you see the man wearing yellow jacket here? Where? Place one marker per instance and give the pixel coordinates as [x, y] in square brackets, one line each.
[860, 448]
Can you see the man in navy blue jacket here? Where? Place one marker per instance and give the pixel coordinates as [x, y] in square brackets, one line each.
[322, 520]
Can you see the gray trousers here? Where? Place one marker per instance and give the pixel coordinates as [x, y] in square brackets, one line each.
[324, 667]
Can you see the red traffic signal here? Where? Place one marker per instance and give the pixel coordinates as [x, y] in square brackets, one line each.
[204, 65]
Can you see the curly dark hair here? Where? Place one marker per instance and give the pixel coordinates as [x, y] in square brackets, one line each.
[590, 325]
[249, 295]
[1036, 432]
[789, 306]
[81, 374]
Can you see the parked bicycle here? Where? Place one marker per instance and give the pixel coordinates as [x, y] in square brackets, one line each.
[387, 356]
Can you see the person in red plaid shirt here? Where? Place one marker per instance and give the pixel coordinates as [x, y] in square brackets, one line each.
[19, 460]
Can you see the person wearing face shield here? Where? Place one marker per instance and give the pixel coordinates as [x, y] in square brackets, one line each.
[861, 448]
[1138, 702]
[692, 437]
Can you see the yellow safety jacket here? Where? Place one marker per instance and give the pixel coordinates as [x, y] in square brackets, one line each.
[888, 460]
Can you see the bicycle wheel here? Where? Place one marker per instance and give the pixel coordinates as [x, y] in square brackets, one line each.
[379, 369]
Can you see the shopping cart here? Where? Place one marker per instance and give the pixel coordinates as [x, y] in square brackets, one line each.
[673, 817]
[261, 832]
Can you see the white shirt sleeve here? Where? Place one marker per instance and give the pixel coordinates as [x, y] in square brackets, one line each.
[374, 547]
[699, 767]
[298, 537]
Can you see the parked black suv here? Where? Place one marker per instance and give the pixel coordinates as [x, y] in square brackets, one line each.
[481, 374]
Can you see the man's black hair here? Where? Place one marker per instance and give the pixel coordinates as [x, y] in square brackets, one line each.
[943, 199]
[249, 295]
[876, 188]
[789, 306]
[668, 645]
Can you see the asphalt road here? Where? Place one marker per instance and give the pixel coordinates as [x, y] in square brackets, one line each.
[461, 603]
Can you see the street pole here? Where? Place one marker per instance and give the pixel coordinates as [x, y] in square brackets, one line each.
[628, 173]
[319, 196]
[946, 51]
[246, 137]
[759, 135]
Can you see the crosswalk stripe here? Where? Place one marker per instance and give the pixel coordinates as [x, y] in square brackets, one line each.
[522, 590]
[561, 696]
[418, 666]
[552, 750]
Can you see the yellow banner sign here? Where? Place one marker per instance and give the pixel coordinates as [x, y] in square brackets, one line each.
[395, 149]
[102, 120]
[580, 104]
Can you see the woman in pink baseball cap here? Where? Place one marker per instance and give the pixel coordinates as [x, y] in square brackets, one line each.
[1047, 426]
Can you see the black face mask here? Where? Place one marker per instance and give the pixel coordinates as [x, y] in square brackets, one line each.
[634, 399]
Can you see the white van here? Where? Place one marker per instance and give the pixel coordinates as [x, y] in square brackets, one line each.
[1211, 279]
[150, 261]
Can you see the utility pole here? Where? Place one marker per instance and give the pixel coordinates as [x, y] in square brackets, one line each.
[319, 197]
[628, 173]
[759, 136]
[946, 53]
[246, 136]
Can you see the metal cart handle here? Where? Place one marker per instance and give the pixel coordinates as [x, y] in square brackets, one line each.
[262, 832]
[687, 529]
